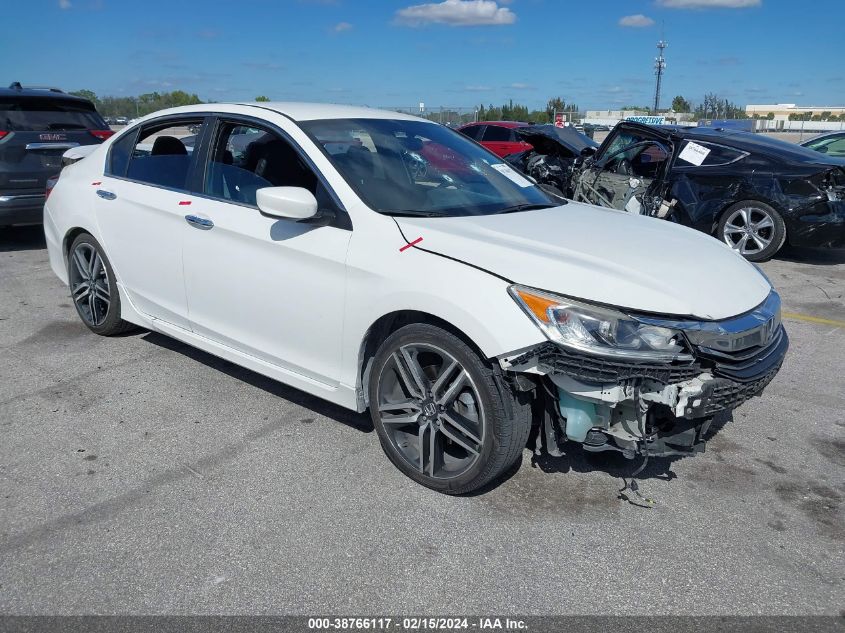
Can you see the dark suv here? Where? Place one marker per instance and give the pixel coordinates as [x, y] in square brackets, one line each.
[37, 125]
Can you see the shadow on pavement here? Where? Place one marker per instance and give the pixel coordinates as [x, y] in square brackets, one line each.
[817, 256]
[358, 421]
[22, 238]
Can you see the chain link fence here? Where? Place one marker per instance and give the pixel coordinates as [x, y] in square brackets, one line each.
[445, 115]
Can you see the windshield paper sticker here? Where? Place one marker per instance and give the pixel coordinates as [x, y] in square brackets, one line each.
[694, 153]
[511, 174]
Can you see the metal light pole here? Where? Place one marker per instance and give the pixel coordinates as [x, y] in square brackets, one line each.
[659, 67]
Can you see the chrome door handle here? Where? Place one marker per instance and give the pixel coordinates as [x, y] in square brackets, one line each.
[106, 195]
[203, 223]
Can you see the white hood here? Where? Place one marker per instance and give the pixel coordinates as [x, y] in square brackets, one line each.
[604, 256]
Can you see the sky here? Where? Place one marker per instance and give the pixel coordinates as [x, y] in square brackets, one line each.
[457, 53]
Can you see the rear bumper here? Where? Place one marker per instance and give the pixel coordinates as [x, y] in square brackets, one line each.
[23, 208]
[822, 226]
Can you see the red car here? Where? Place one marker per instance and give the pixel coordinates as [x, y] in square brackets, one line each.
[497, 136]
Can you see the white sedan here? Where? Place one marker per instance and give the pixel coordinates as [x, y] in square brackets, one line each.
[459, 303]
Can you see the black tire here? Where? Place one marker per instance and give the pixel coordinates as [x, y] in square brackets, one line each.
[92, 285]
[772, 236]
[503, 418]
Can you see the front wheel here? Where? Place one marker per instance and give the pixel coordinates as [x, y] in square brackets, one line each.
[753, 229]
[93, 287]
[443, 414]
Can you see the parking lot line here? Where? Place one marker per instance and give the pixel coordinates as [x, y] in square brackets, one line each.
[812, 319]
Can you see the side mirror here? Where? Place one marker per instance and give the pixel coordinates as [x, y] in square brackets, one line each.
[589, 151]
[294, 203]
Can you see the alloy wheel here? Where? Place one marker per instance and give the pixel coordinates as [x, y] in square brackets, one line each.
[749, 230]
[431, 411]
[89, 284]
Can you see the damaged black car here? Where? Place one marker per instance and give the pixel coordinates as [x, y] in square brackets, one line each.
[751, 191]
[556, 154]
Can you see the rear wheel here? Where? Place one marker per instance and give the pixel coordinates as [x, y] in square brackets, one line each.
[443, 414]
[753, 229]
[93, 287]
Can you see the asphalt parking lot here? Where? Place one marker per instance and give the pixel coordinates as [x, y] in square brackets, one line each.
[142, 476]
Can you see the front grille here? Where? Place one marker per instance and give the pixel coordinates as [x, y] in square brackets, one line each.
[746, 365]
[596, 369]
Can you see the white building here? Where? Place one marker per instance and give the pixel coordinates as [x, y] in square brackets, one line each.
[782, 111]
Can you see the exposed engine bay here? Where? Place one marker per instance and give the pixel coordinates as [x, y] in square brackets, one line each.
[555, 157]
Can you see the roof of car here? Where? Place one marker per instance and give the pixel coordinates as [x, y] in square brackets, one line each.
[43, 93]
[303, 111]
[298, 111]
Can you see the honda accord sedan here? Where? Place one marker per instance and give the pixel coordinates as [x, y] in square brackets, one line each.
[460, 304]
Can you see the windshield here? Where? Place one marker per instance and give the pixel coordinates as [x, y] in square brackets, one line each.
[419, 168]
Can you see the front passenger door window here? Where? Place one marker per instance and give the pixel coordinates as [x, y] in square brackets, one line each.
[244, 159]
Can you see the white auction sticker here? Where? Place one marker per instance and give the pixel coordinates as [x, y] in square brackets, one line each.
[694, 153]
[511, 174]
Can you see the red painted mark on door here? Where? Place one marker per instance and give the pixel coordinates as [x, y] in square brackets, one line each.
[184, 203]
[410, 244]
[97, 183]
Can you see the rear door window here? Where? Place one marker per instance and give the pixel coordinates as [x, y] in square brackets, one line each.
[163, 154]
[44, 114]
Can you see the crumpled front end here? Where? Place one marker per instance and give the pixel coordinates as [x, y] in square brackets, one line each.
[656, 408]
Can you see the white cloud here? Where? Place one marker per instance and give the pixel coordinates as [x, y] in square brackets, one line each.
[709, 4]
[456, 13]
[636, 21]
[65, 4]
[521, 86]
[340, 27]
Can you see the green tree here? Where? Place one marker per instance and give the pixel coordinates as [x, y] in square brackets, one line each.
[679, 104]
[86, 94]
[770, 116]
[262, 98]
[826, 115]
[555, 104]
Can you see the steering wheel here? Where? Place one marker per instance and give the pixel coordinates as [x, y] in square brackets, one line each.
[624, 167]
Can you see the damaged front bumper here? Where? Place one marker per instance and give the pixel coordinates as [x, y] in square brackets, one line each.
[651, 409]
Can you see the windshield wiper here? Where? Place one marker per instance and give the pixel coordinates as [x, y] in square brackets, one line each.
[412, 213]
[526, 207]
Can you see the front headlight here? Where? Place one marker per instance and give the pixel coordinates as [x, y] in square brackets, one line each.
[599, 330]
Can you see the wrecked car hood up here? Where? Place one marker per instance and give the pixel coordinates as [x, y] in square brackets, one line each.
[544, 137]
[601, 255]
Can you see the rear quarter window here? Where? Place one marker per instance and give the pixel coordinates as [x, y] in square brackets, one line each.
[717, 155]
[40, 114]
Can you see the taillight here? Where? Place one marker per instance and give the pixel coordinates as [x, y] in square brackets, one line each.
[102, 134]
[3, 133]
[51, 182]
